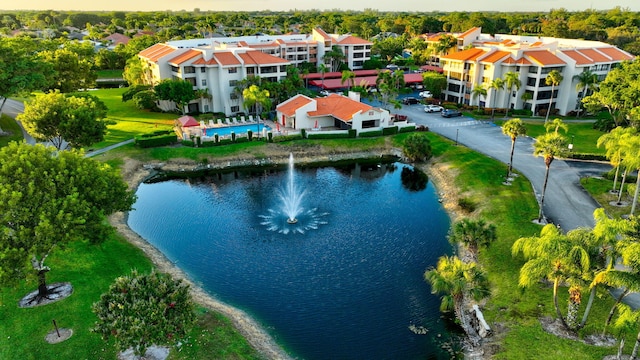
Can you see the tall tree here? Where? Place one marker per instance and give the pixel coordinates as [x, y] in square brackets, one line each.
[552, 256]
[434, 82]
[496, 85]
[513, 128]
[549, 146]
[348, 76]
[445, 42]
[335, 57]
[71, 72]
[556, 125]
[479, 91]
[553, 79]
[613, 143]
[460, 282]
[143, 310]
[632, 161]
[511, 80]
[51, 198]
[586, 81]
[323, 68]
[258, 97]
[473, 234]
[179, 91]
[20, 72]
[55, 117]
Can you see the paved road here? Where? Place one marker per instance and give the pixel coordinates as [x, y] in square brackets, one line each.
[12, 108]
[566, 202]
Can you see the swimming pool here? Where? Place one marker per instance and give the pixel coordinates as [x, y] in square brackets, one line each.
[238, 129]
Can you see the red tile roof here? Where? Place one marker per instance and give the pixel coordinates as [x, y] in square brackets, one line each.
[226, 58]
[156, 51]
[290, 106]
[615, 53]
[338, 106]
[520, 61]
[495, 56]
[185, 56]
[544, 58]
[468, 32]
[577, 57]
[260, 58]
[465, 55]
[352, 40]
[322, 33]
[594, 55]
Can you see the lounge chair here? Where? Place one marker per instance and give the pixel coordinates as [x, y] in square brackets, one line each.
[251, 119]
[202, 123]
[211, 123]
[242, 121]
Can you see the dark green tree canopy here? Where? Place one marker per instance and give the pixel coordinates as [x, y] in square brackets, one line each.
[77, 119]
[179, 91]
[49, 198]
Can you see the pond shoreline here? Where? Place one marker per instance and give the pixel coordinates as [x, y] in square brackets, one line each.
[135, 172]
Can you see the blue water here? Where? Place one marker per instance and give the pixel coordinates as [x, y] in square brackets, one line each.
[349, 289]
[238, 129]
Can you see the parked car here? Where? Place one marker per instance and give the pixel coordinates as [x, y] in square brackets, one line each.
[433, 108]
[425, 94]
[410, 101]
[451, 113]
[324, 92]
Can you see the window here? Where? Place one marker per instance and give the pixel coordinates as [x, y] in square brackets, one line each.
[233, 70]
[454, 87]
[175, 69]
[485, 80]
[233, 82]
[202, 70]
[234, 96]
[206, 108]
[531, 81]
[189, 70]
[235, 108]
[251, 71]
[203, 82]
[192, 81]
[486, 67]
[283, 68]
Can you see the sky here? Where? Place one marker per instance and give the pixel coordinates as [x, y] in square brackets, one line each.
[285, 5]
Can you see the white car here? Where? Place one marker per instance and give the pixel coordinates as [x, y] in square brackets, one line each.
[433, 108]
[425, 94]
[324, 92]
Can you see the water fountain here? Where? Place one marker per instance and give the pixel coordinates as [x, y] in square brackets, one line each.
[298, 220]
[291, 197]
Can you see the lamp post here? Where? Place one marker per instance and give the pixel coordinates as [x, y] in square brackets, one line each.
[571, 144]
[457, 136]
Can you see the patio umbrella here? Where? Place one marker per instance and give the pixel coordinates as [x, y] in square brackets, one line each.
[277, 127]
[315, 126]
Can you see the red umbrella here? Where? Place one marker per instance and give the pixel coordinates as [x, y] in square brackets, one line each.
[277, 127]
[315, 126]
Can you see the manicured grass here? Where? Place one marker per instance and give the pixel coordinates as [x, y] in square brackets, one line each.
[600, 189]
[11, 127]
[91, 269]
[584, 136]
[127, 120]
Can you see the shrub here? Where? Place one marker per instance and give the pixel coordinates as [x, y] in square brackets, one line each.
[269, 136]
[284, 138]
[250, 135]
[155, 141]
[467, 205]
[145, 100]
[322, 135]
[132, 90]
[417, 147]
[188, 143]
[303, 132]
[353, 133]
[587, 156]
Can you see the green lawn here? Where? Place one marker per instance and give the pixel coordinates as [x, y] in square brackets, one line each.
[583, 135]
[11, 127]
[600, 191]
[110, 74]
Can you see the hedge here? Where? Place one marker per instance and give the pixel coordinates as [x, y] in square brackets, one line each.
[406, 129]
[160, 140]
[390, 130]
[284, 138]
[328, 135]
[579, 156]
[371, 133]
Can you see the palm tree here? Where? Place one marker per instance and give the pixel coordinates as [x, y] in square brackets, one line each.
[253, 95]
[632, 161]
[335, 56]
[629, 317]
[459, 281]
[511, 80]
[527, 96]
[445, 43]
[496, 84]
[556, 125]
[554, 78]
[549, 146]
[553, 256]
[513, 128]
[323, 68]
[473, 234]
[586, 81]
[613, 146]
[348, 76]
[478, 90]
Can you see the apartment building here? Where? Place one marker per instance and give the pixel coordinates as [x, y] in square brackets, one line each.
[478, 59]
[217, 64]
